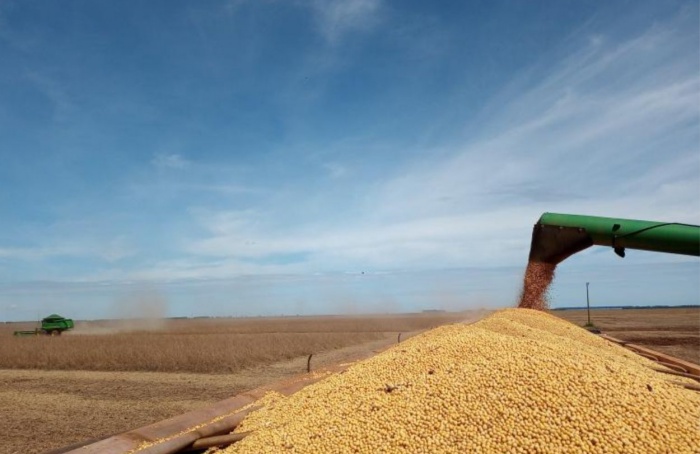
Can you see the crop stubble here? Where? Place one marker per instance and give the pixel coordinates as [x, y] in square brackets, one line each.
[203, 346]
[76, 405]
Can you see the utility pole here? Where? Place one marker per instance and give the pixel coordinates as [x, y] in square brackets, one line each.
[588, 305]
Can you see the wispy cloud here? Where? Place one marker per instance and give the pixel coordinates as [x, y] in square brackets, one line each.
[336, 18]
[116, 249]
[223, 188]
[232, 6]
[321, 138]
[59, 99]
[169, 161]
[58, 243]
[589, 128]
[592, 136]
[336, 170]
[608, 129]
[31, 253]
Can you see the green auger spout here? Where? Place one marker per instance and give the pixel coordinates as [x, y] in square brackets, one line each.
[556, 237]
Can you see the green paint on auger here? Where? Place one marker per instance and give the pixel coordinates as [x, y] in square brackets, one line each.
[556, 237]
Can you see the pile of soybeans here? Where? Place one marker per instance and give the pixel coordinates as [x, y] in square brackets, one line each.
[520, 380]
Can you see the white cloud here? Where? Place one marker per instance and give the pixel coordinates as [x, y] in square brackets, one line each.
[232, 6]
[116, 249]
[335, 170]
[83, 245]
[579, 132]
[169, 161]
[60, 100]
[338, 17]
[611, 130]
[223, 188]
[35, 253]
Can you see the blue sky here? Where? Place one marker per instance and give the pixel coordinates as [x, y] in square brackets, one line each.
[257, 157]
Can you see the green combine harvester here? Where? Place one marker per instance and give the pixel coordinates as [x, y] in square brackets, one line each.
[53, 325]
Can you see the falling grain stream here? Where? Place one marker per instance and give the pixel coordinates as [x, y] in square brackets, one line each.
[538, 277]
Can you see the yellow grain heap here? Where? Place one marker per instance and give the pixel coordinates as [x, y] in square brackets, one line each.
[517, 381]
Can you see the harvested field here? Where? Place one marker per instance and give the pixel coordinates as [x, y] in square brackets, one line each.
[675, 332]
[72, 406]
[199, 345]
